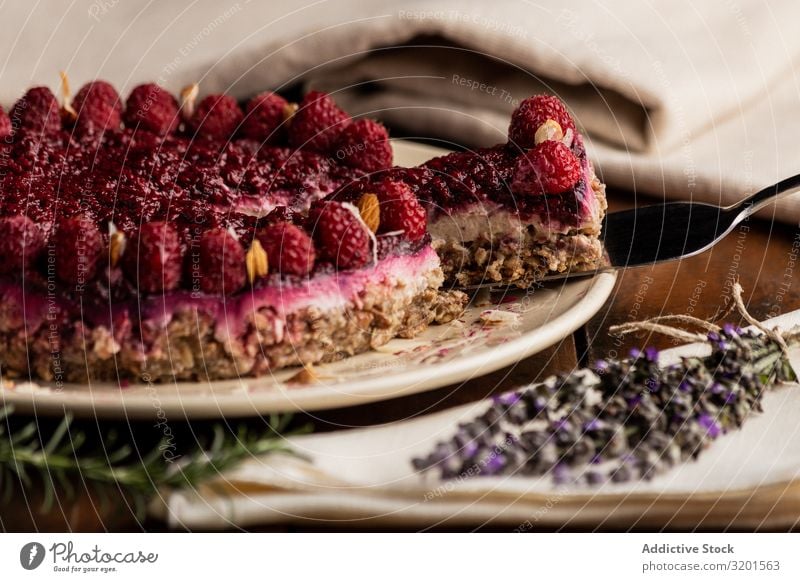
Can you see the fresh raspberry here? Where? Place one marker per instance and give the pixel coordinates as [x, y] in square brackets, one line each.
[265, 117]
[78, 246]
[221, 263]
[98, 107]
[21, 242]
[340, 236]
[549, 168]
[532, 113]
[400, 210]
[364, 144]
[216, 117]
[5, 124]
[37, 112]
[317, 123]
[153, 257]
[290, 251]
[153, 109]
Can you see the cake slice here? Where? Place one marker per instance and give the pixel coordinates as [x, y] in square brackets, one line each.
[156, 241]
[515, 212]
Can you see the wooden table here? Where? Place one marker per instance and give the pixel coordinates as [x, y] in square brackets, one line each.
[759, 253]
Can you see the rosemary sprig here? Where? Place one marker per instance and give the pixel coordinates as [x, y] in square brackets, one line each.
[57, 459]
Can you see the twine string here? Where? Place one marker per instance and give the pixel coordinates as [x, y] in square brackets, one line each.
[664, 324]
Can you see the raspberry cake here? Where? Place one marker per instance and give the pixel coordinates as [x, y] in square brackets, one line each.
[157, 240]
[512, 213]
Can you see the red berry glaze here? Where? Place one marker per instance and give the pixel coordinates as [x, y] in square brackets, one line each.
[341, 237]
[549, 168]
[532, 113]
[400, 210]
[216, 117]
[264, 118]
[364, 144]
[221, 263]
[317, 123]
[78, 247]
[290, 251]
[153, 258]
[37, 112]
[21, 243]
[283, 214]
[151, 108]
[5, 124]
[98, 106]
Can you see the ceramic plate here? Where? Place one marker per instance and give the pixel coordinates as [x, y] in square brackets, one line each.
[494, 332]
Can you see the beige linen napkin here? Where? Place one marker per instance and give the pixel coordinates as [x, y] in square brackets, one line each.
[363, 478]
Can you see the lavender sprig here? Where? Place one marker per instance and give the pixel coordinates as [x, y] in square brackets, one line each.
[620, 419]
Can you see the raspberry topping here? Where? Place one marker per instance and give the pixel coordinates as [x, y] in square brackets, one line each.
[98, 107]
[37, 112]
[317, 123]
[21, 242]
[221, 262]
[282, 214]
[340, 236]
[163, 192]
[151, 108]
[78, 246]
[400, 210]
[532, 113]
[216, 117]
[364, 144]
[290, 251]
[153, 257]
[5, 124]
[549, 168]
[265, 117]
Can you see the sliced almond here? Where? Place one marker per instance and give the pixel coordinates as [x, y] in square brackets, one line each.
[288, 112]
[305, 376]
[188, 99]
[370, 210]
[256, 261]
[550, 130]
[66, 97]
[116, 247]
[569, 135]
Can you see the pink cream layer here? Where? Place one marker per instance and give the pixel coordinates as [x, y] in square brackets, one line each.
[26, 312]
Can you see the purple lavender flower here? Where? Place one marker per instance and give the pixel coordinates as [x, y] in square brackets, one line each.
[731, 330]
[508, 398]
[712, 428]
[494, 464]
[593, 424]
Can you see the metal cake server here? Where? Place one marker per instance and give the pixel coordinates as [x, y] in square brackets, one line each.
[675, 230]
